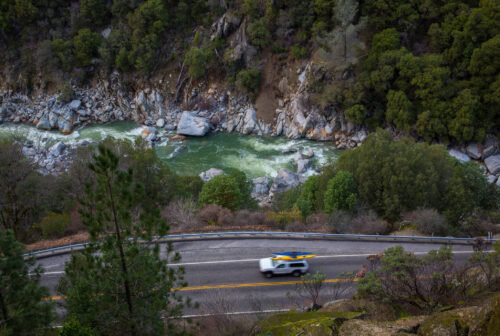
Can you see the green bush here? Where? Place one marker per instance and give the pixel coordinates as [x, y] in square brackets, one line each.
[53, 225]
[63, 51]
[356, 114]
[73, 328]
[406, 175]
[341, 192]
[259, 34]
[198, 60]
[299, 52]
[307, 199]
[249, 79]
[222, 190]
[86, 44]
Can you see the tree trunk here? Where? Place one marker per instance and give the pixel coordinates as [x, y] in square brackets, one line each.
[128, 295]
[5, 313]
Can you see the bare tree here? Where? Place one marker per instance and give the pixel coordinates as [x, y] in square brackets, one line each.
[309, 289]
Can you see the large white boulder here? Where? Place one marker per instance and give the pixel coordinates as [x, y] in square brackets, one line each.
[459, 155]
[190, 124]
[210, 174]
[493, 164]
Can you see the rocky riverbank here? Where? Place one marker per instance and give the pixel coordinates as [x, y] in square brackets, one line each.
[204, 109]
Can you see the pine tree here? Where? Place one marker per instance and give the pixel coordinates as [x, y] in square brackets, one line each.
[22, 309]
[119, 285]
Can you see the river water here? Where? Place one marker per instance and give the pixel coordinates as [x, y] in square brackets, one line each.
[256, 156]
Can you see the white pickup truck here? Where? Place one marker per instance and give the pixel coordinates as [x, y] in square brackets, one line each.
[269, 267]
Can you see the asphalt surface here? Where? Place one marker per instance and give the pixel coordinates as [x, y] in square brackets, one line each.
[228, 273]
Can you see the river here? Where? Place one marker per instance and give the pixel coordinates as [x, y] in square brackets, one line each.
[256, 156]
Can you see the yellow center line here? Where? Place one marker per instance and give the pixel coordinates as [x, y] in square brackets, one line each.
[254, 284]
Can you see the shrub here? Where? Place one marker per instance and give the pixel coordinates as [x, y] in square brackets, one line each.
[53, 225]
[317, 222]
[282, 218]
[209, 214]
[403, 278]
[63, 51]
[299, 52]
[429, 221]
[259, 34]
[222, 190]
[65, 93]
[198, 60]
[287, 199]
[355, 114]
[368, 223]
[249, 79]
[86, 44]
[340, 221]
[225, 217]
[341, 192]
[307, 199]
[73, 328]
[295, 227]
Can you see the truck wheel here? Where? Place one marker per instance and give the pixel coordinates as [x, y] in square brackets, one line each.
[296, 273]
[268, 274]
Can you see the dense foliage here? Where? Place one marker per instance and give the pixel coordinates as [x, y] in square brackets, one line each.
[139, 298]
[434, 191]
[431, 68]
[22, 310]
[427, 283]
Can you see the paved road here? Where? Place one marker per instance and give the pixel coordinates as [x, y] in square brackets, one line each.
[216, 263]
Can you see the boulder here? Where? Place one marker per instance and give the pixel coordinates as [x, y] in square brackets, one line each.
[43, 123]
[53, 118]
[491, 145]
[57, 149]
[210, 174]
[498, 182]
[160, 123]
[491, 178]
[459, 155]
[190, 124]
[75, 104]
[493, 164]
[261, 186]
[249, 122]
[285, 180]
[474, 151]
[147, 131]
[303, 165]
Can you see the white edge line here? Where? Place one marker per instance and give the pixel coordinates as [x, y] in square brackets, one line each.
[251, 260]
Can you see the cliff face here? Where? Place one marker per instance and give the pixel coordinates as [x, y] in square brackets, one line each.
[281, 109]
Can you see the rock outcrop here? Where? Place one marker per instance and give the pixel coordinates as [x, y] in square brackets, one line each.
[190, 124]
[285, 180]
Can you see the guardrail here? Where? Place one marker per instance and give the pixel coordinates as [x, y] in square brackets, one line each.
[276, 235]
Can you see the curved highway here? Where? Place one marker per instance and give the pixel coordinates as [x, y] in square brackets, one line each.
[228, 269]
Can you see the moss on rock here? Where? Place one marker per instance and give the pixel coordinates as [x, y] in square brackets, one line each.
[305, 324]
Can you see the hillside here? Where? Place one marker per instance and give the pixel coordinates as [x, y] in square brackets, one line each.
[295, 68]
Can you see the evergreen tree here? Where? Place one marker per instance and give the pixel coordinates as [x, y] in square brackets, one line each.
[119, 284]
[22, 310]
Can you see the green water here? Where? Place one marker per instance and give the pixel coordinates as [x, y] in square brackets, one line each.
[256, 156]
